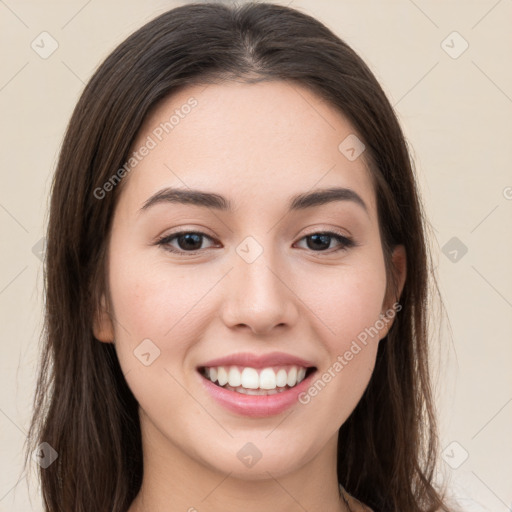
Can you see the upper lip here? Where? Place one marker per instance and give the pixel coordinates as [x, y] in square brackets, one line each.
[246, 359]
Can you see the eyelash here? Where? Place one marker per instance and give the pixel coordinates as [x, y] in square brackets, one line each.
[346, 242]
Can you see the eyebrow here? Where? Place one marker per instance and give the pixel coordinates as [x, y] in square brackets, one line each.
[218, 202]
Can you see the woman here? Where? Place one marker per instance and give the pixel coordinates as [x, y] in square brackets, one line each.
[236, 280]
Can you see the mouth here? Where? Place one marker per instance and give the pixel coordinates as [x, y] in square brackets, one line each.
[247, 380]
[254, 385]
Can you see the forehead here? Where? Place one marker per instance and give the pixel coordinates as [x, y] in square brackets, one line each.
[259, 140]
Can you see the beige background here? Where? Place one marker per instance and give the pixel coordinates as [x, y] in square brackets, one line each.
[457, 116]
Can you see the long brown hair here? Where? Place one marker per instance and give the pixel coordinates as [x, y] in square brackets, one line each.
[83, 407]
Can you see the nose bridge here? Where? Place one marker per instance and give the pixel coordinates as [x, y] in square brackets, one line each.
[258, 297]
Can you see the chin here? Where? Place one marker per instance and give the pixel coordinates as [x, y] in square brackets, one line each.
[254, 461]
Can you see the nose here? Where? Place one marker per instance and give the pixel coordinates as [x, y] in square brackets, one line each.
[259, 295]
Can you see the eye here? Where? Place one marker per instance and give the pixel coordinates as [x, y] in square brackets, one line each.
[190, 242]
[321, 240]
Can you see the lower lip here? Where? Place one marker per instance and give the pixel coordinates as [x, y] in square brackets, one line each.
[256, 406]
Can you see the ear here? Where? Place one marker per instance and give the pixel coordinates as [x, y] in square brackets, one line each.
[103, 327]
[390, 310]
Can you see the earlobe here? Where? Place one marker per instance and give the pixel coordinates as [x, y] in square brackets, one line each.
[390, 309]
[103, 328]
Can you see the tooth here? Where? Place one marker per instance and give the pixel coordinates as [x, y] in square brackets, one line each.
[292, 376]
[267, 379]
[234, 377]
[222, 376]
[281, 378]
[250, 378]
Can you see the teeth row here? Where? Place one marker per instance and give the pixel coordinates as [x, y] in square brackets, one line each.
[251, 378]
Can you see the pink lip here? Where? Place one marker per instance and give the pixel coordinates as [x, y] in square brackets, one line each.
[256, 406]
[254, 361]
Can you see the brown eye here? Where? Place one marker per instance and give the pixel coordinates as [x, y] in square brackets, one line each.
[321, 241]
[187, 241]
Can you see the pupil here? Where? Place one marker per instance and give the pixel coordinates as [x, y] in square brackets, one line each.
[323, 239]
[190, 238]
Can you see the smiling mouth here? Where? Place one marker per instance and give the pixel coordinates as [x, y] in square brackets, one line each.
[256, 381]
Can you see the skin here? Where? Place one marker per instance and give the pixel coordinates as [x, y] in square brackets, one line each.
[257, 145]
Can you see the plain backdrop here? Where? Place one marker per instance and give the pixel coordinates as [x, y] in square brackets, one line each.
[445, 67]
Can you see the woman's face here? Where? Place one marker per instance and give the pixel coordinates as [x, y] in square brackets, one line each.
[256, 282]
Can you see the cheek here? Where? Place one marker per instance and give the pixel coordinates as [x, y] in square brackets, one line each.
[347, 304]
[346, 300]
[162, 310]
[155, 319]
[349, 308]
[155, 300]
